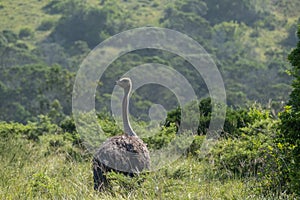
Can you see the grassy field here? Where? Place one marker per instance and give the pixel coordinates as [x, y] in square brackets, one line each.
[19, 14]
[49, 170]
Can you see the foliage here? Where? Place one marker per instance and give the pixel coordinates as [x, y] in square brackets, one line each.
[232, 10]
[195, 147]
[239, 157]
[235, 118]
[187, 17]
[46, 170]
[10, 36]
[44, 89]
[109, 127]
[43, 156]
[242, 47]
[77, 18]
[288, 137]
[235, 161]
[46, 25]
[254, 153]
[68, 125]
[163, 138]
[12, 52]
[11, 130]
[25, 33]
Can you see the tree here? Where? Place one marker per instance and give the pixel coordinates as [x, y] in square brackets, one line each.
[55, 113]
[30, 90]
[290, 118]
[81, 22]
[231, 10]
[187, 17]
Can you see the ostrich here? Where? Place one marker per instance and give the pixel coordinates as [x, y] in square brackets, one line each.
[126, 153]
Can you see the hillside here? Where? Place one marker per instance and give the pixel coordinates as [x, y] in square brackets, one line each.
[255, 154]
[250, 52]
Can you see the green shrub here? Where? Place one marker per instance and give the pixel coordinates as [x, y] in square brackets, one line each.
[235, 118]
[289, 128]
[11, 130]
[289, 140]
[43, 185]
[68, 125]
[25, 33]
[22, 45]
[109, 127]
[194, 149]
[239, 157]
[46, 25]
[10, 36]
[163, 138]
[77, 155]
[56, 143]
[253, 154]
[118, 181]
[45, 126]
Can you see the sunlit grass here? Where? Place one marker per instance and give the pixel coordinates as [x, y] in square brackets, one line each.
[19, 14]
[35, 170]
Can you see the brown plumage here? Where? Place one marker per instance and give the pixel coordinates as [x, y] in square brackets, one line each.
[126, 153]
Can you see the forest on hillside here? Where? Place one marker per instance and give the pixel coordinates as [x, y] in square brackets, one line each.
[249, 43]
[254, 44]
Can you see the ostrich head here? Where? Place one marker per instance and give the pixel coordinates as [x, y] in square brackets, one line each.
[125, 83]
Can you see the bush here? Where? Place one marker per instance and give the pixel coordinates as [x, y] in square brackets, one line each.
[46, 25]
[163, 138]
[43, 185]
[22, 46]
[25, 33]
[68, 125]
[10, 36]
[289, 140]
[235, 118]
[195, 147]
[30, 131]
[73, 27]
[238, 157]
[289, 129]
[253, 154]
[11, 130]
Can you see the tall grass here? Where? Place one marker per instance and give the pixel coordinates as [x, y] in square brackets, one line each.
[42, 170]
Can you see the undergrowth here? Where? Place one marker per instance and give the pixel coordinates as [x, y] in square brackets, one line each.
[56, 166]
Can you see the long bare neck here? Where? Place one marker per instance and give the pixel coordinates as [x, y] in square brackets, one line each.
[127, 127]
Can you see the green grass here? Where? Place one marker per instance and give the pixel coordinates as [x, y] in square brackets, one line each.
[38, 170]
[16, 15]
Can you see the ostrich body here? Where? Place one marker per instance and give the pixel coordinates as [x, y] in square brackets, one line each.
[125, 153]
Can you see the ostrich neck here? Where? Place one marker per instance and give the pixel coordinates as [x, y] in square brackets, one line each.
[127, 127]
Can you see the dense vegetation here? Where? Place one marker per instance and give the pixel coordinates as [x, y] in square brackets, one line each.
[255, 47]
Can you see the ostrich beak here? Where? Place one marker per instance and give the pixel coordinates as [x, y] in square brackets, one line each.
[117, 81]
